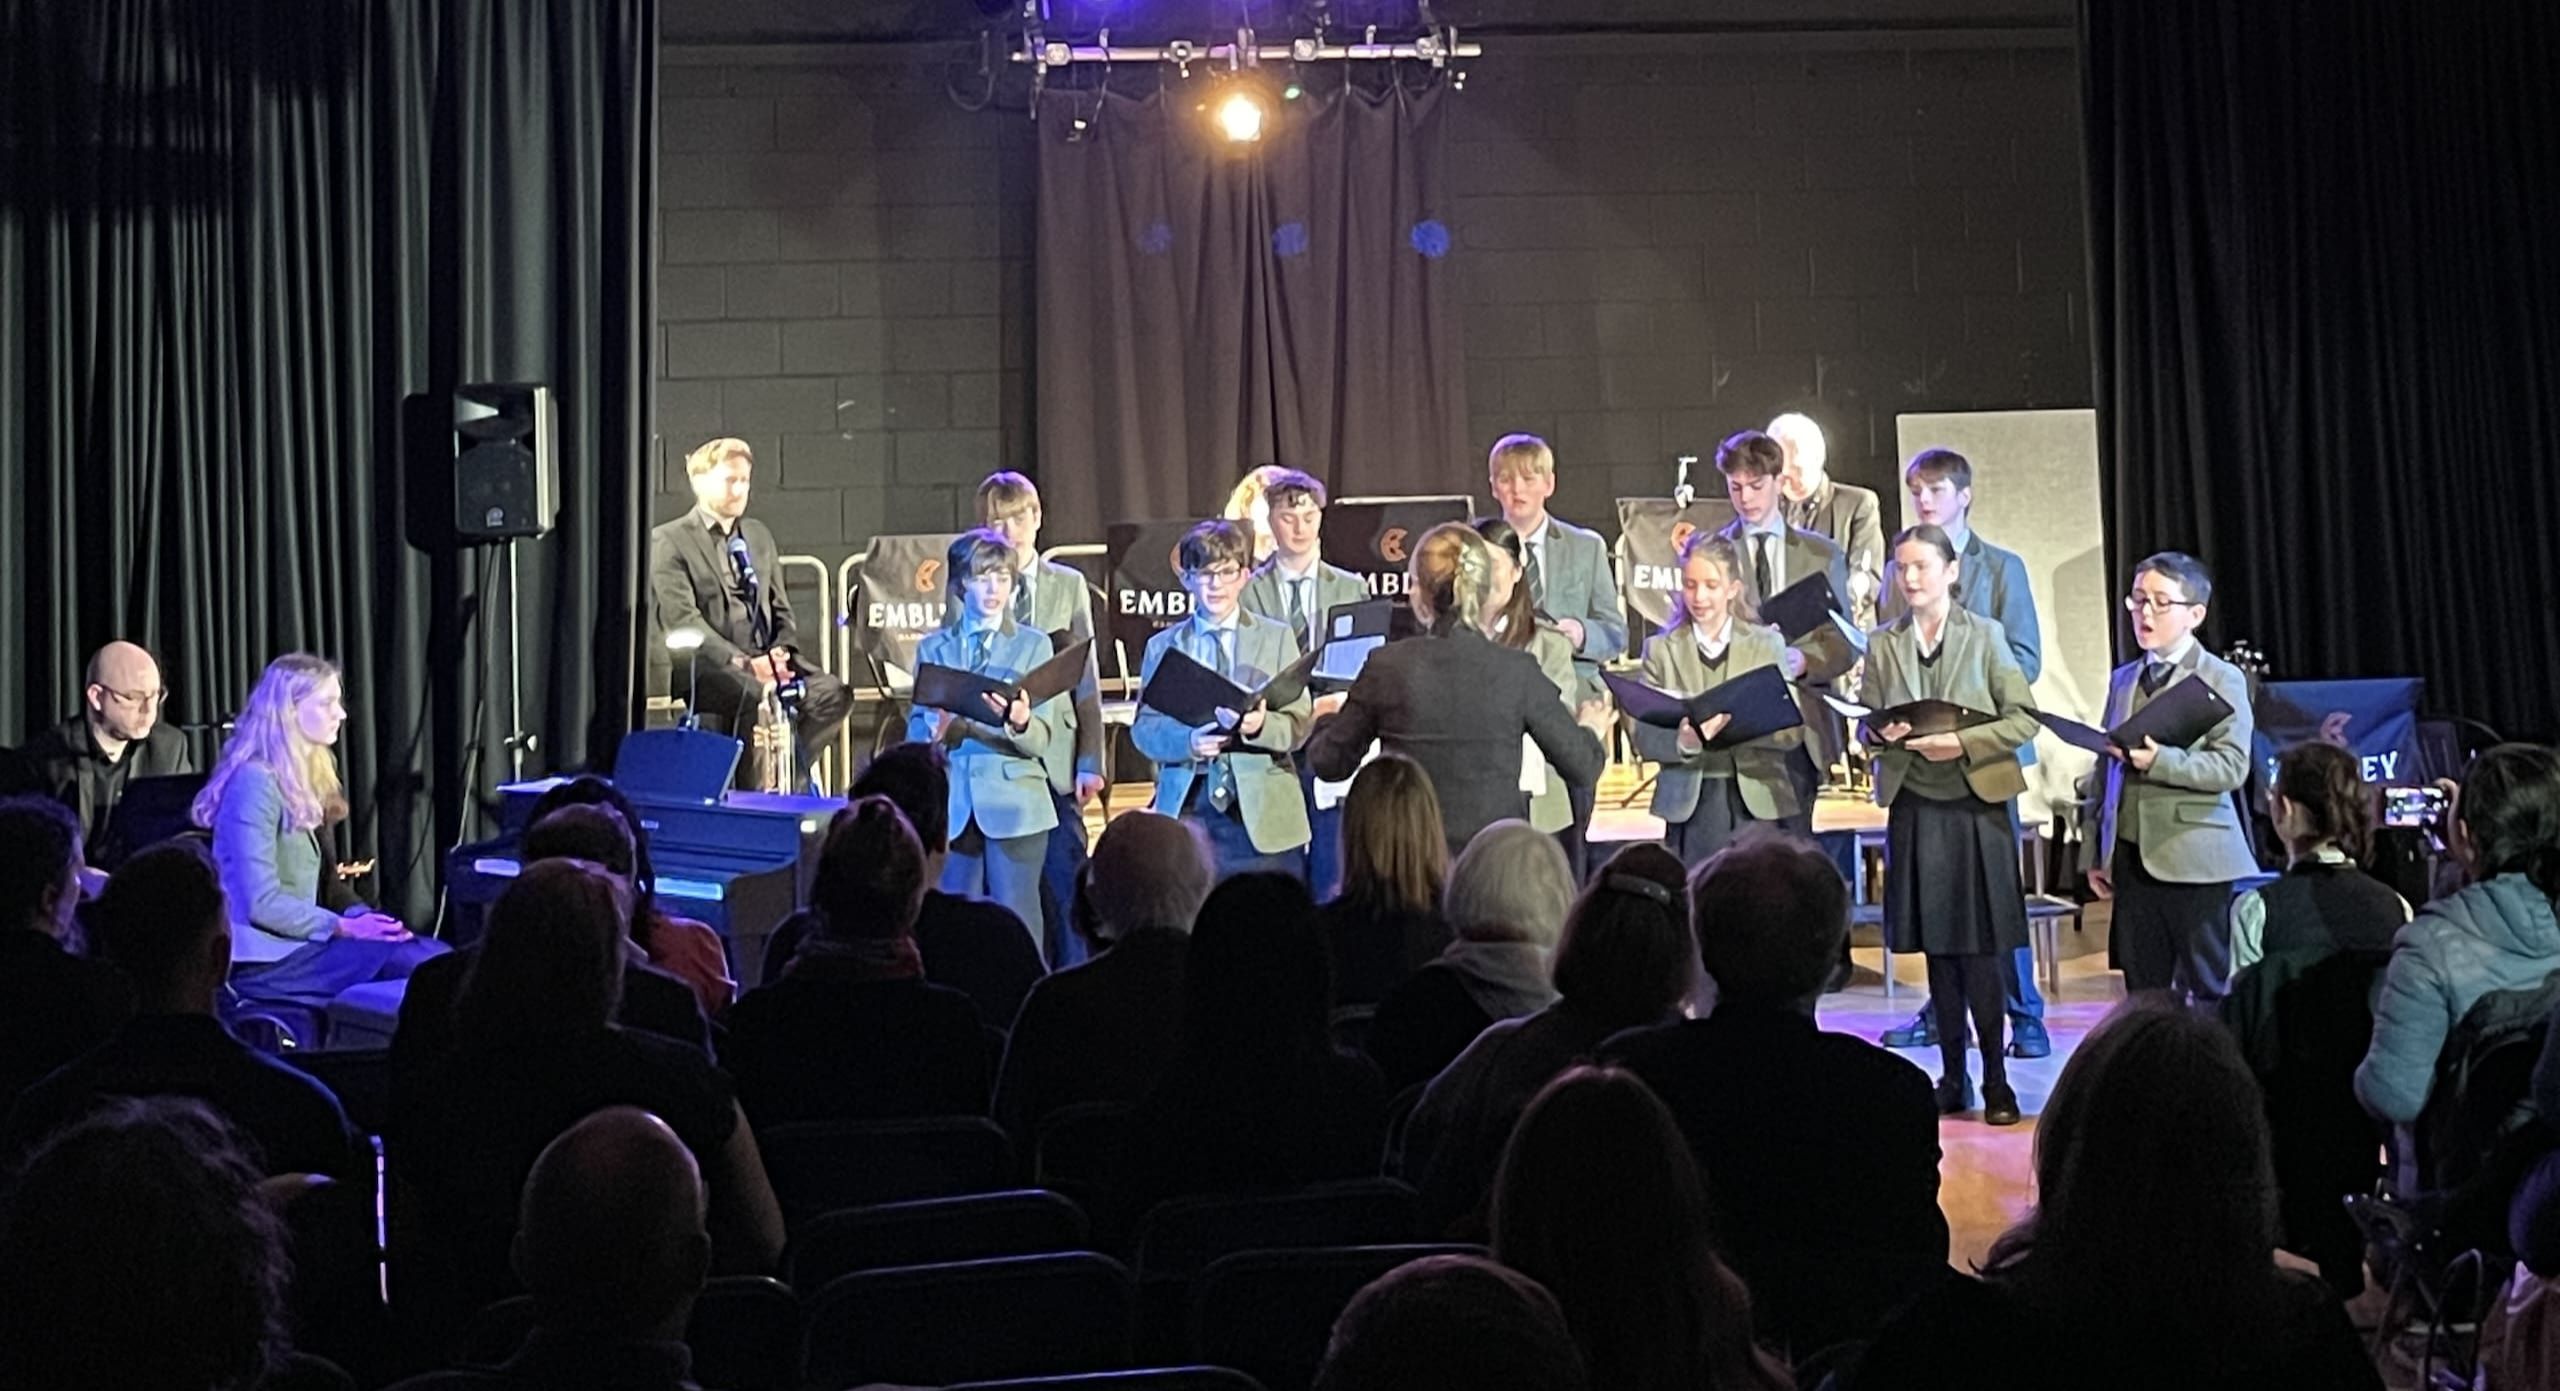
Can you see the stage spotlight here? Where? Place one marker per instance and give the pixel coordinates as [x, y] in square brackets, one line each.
[1240, 116]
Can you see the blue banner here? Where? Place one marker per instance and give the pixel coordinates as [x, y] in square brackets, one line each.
[2377, 721]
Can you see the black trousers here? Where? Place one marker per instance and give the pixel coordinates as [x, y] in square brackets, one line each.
[1576, 838]
[2173, 937]
[1975, 985]
[726, 698]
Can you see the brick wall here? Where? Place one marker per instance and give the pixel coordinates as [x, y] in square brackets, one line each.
[1661, 243]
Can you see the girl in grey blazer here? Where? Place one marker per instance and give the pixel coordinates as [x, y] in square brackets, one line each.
[1706, 798]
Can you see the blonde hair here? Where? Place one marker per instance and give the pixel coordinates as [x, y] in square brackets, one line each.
[1449, 577]
[1005, 494]
[714, 453]
[1520, 454]
[1240, 505]
[1510, 884]
[1728, 558]
[268, 735]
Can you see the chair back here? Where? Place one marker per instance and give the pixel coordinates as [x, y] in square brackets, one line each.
[935, 1231]
[1177, 1239]
[1270, 1314]
[1077, 1151]
[359, 1077]
[818, 1167]
[935, 1325]
[2482, 1096]
[1148, 1379]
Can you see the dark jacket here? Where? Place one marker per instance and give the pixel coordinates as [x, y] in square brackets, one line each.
[821, 1044]
[653, 1002]
[297, 1124]
[1374, 952]
[696, 586]
[1457, 705]
[1422, 1026]
[59, 755]
[976, 946]
[1242, 1125]
[53, 1007]
[1821, 1157]
[1099, 1032]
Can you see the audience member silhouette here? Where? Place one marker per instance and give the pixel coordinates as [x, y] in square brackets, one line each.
[54, 1005]
[1820, 1150]
[852, 1031]
[1101, 1032]
[163, 922]
[976, 946]
[1386, 923]
[1626, 959]
[536, 1051]
[1452, 1323]
[1600, 1201]
[137, 1254]
[2149, 1258]
[1255, 1097]
[686, 948]
[1507, 899]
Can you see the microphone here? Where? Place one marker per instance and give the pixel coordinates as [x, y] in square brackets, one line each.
[738, 556]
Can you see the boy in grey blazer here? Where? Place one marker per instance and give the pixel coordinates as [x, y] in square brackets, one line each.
[2169, 842]
[1296, 588]
[1774, 554]
[1237, 784]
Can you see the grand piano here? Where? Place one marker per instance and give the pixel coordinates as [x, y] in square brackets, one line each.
[740, 861]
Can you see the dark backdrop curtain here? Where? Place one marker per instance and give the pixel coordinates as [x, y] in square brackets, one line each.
[1203, 309]
[2326, 247]
[233, 238]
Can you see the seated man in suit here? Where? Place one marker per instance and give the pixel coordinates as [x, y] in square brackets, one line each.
[1570, 584]
[2170, 846]
[1236, 783]
[1775, 554]
[1101, 1032]
[1296, 587]
[1845, 512]
[1820, 1150]
[85, 761]
[715, 570]
[1990, 582]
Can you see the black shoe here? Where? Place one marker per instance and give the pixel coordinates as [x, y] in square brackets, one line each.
[2027, 1039]
[1921, 1032]
[1999, 1104]
[1955, 1095]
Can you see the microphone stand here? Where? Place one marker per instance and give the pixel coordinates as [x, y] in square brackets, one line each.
[786, 693]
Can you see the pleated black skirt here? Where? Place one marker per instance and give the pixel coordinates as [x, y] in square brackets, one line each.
[1951, 885]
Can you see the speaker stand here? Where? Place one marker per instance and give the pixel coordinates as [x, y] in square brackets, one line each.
[519, 740]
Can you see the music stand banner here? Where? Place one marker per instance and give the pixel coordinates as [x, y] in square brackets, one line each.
[1651, 531]
[1371, 538]
[902, 594]
[2376, 720]
[1143, 582]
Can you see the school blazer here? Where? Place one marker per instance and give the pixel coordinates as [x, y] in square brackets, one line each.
[1828, 654]
[1672, 663]
[1264, 780]
[1267, 595]
[1990, 581]
[1580, 585]
[1974, 669]
[2181, 810]
[1551, 808]
[996, 775]
[1848, 514]
[1060, 603]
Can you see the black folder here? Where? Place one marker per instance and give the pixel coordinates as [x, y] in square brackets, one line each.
[1758, 700]
[964, 693]
[1925, 717]
[1352, 631]
[1193, 694]
[1802, 608]
[2185, 711]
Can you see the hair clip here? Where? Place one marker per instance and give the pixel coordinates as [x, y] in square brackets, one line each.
[1639, 885]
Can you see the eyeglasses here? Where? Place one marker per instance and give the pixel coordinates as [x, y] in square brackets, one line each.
[2152, 603]
[1218, 574]
[138, 699]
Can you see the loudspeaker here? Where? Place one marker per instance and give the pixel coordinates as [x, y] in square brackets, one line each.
[506, 463]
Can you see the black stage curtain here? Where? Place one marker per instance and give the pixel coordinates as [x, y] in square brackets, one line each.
[1204, 308]
[234, 237]
[2326, 263]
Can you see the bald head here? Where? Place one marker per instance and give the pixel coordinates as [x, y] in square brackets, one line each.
[611, 1238]
[123, 694]
[1147, 870]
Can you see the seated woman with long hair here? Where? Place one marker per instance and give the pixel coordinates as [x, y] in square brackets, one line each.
[1599, 1200]
[1626, 960]
[1386, 921]
[536, 1051]
[271, 794]
[2150, 1256]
